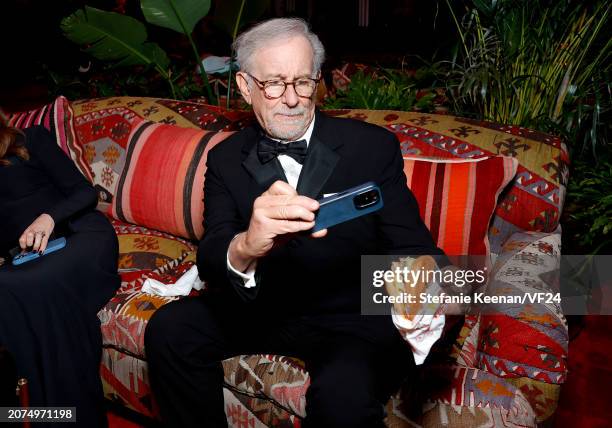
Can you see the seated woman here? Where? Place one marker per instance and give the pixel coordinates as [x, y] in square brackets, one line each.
[48, 306]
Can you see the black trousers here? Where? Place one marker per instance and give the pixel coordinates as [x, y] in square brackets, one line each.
[355, 362]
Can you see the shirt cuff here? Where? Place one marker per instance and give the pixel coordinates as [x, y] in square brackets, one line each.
[248, 277]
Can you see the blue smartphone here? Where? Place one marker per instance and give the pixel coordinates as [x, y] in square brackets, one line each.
[56, 244]
[352, 203]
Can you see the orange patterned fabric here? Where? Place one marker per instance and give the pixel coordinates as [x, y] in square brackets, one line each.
[174, 160]
[103, 126]
[267, 390]
[534, 198]
[457, 198]
[143, 253]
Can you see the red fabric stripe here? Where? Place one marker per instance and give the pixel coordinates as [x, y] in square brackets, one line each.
[521, 342]
[420, 178]
[159, 155]
[489, 178]
[456, 207]
[437, 200]
[162, 184]
[457, 199]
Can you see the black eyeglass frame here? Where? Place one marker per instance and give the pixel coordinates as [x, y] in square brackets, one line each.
[262, 85]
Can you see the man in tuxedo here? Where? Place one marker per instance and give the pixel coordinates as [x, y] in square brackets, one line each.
[274, 287]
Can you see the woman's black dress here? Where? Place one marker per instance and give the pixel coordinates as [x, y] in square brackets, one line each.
[48, 307]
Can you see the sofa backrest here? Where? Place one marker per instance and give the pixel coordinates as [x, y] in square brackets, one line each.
[531, 202]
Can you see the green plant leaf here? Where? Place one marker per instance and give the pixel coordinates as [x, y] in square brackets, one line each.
[109, 36]
[178, 15]
[226, 13]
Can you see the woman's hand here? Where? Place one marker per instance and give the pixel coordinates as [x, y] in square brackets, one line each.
[37, 234]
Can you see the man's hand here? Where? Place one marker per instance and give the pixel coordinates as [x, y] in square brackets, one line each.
[37, 234]
[278, 211]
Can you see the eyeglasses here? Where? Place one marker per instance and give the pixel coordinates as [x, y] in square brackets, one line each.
[304, 86]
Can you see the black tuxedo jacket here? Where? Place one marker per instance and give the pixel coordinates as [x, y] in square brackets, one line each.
[306, 275]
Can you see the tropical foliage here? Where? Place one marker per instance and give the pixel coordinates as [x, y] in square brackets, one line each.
[384, 90]
[122, 40]
[589, 206]
[539, 64]
[182, 17]
[544, 65]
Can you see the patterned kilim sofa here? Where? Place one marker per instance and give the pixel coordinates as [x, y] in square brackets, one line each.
[501, 370]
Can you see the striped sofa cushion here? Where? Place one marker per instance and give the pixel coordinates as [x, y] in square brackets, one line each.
[533, 200]
[103, 126]
[57, 118]
[162, 183]
[457, 198]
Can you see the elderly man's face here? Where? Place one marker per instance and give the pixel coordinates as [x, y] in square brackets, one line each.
[287, 117]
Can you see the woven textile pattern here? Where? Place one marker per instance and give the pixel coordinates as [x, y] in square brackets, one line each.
[268, 390]
[103, 127]
[461, 397]
[143, 253]
[532, 201]
[173, 158]
[243, 410]
[534, 198]
[457, 199]
[530, 341]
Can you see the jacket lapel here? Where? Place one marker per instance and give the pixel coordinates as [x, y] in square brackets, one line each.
[318, 167]
[320, 160]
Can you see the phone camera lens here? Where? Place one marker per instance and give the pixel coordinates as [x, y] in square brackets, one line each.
[366, 199]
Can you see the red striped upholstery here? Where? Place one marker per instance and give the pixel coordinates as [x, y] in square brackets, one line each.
[162, 184]
[457, 198]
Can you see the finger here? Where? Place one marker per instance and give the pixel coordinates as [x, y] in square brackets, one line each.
[282, 227]
[23, 241]
[280, 187]
[319, 233]
[267, 200]
[43, 244]
[288, 212]
[279, 200]
[308, 203]
[37, 241]
[29, 239]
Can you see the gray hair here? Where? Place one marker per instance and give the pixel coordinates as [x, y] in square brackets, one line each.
[272, 30]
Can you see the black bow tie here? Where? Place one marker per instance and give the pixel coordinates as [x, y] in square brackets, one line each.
[268, 149]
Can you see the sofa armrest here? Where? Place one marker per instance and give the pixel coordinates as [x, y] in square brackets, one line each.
[528, 264]
[457, 396]
[530, 339]
[526, 344]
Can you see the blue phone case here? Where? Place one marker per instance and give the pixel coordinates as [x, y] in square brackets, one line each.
[56, 244]
[342, 206]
